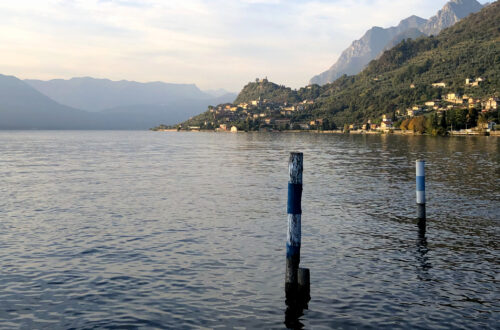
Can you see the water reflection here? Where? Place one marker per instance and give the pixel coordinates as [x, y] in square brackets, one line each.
[295, 310]
[81, 209]
[422, 252]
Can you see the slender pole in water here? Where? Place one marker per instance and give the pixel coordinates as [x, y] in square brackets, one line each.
[421, 189]
[294, 210]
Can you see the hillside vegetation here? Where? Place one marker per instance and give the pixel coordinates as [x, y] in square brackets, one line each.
[266, 90]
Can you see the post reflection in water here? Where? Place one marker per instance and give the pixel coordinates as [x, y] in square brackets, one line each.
[422, 250]
[295, 307]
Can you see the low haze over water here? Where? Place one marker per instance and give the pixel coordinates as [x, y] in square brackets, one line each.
[188, 230]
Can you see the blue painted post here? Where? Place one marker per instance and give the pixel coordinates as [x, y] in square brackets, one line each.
[294, 210]
[421, 189]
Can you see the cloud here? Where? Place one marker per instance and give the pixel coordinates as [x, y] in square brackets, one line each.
[213, 43]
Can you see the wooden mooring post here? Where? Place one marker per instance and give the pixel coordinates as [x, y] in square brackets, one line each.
[296, 280]
[304, 281]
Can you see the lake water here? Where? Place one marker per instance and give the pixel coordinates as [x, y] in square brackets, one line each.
[188, 230]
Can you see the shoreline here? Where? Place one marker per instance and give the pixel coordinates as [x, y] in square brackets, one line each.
[453, 133]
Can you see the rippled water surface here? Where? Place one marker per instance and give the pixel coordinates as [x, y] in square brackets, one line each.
[188, 230]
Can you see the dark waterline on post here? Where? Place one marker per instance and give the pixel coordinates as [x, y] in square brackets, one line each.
[421, 212]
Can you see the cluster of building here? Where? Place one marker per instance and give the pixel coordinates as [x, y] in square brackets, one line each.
[452, 100]
[261, 113]
[385, 125]
[474, 82]
[448, 102]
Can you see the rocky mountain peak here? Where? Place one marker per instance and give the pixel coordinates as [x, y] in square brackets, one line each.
[451, 13]
[412, 22]
[376, 40]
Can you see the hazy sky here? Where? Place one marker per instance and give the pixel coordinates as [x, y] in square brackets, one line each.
[212, 43]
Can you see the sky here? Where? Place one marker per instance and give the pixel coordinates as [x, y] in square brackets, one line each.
[211, 43]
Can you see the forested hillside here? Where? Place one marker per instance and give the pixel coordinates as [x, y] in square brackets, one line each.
[469, 49]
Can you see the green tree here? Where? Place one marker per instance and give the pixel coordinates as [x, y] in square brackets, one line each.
[442, 122]
[326, 124]
[431, 123]
[471, 118]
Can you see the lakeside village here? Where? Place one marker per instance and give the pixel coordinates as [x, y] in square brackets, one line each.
[474, 116]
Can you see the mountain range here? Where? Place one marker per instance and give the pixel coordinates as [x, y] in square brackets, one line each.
[100, 94]
[88, 103]
[376, 40]
[23, 107]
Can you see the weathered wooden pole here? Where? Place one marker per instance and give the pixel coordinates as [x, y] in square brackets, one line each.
[421, 189]
[304, 281]
[294, 210]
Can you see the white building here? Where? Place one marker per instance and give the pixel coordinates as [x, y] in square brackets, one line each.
[491, 104]
[439, 85]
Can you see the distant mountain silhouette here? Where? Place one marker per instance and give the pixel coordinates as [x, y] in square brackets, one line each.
[24, 107]
[376, 40]
[100, 94]
[220, 93]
